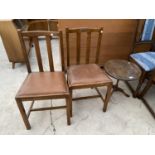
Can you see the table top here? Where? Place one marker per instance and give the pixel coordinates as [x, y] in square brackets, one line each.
[122, 69]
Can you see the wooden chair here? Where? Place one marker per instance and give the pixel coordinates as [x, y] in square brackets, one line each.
[144, 50]
[42, 85]
[86, 75]
[146, 61]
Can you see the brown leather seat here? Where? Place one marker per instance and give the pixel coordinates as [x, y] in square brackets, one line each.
[43, 84]
[87, 74]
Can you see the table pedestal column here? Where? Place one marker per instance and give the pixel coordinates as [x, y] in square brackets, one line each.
[117, 88]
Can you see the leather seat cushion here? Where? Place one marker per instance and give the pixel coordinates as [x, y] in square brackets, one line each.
[80, 75]
[43, 84]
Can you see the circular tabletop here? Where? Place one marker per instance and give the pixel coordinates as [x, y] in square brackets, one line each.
[122, 69]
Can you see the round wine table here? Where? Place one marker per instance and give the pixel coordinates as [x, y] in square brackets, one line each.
[122, 70]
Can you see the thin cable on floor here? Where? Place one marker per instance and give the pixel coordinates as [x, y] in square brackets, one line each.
[51, 123]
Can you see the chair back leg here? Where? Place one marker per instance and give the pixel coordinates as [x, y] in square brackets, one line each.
[108, 95]
[147, 87]
[71, 94]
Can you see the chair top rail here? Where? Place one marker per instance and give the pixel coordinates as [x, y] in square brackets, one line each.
[83, 29]
[40, 33]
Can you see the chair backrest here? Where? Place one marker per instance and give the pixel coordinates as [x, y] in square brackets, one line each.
[87, 33]
[35, 36]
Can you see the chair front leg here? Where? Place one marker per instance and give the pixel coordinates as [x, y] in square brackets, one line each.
[141, 80]
[148, 85]
[108, 95]
[23, 114]
[68, 106]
